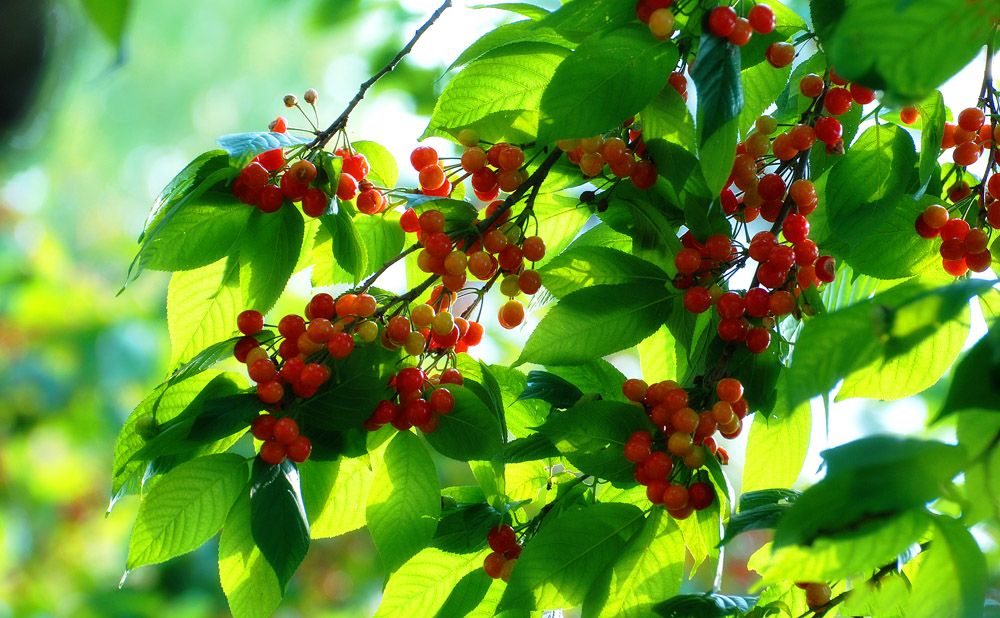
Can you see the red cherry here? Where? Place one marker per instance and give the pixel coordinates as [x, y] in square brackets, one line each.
[701, 495]
[357, 166]
[722, 21]
[501, 538]
[272, 452]
[299, 449]
[761, 18]
[828, 129]
[243, 347]
[262, 427]
[250, 322]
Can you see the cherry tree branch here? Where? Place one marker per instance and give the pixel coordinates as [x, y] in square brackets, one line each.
[324, 136]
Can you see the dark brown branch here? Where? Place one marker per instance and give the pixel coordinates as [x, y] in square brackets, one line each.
[324, 136]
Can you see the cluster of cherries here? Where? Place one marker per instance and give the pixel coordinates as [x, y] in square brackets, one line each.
[491, 168]
[412, 406]
[724, 23]
[502, 247]
[506, 550]
[593, 153]
[281, 438]
[689, 441]
[963, 248]
[969, 137]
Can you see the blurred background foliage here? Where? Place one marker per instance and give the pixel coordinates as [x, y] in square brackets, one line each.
[103, 102]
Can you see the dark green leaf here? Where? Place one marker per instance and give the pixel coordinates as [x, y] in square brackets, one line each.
[249, 582]
[223, 416]
[907, 49]
[763, 497]
[382, 239]
[869, 479]
[505, 34]
[592, 436]
[933, 115]
[611, 76]
[576, 330]
[534, 447]
[463, 530]
[242, 147]
[705, 606]
[582, 18]
[763, 517]
[347, 245]
[278, 517]
[192, 177]
[268, 253]
[551, 388]
[356, 386]
[716, 75]
[598, 377]
[109, 17]
[455, 211]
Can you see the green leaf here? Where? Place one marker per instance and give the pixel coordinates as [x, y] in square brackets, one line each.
[404, 502]
[197, 231]
[469, 431]
[165, 403]
[268, 253]
[422, 585]
[761, 84]
[702, 533]
[521, 8]
[499, 94]
[888, 248]
[351, 394]
[650, 568]
[579, 19]
[609, 77]
[455, 211]
[952, 578]
[520, 416]
[560, 219]
[248, 580]
[907, 49]
[505, 34]
[221, 417]
[582, 267]
[791, 103]
[858, 550]
[596, 377]
[716, 75]
[777, 445]
[186, 508]
[869, 479]
[552, 389]
[892, 324]
[331, 492]
[762, 517]
[202, 305]
[933, 115]
[564, 558]
[346, 245]
[242, 147]
[193, 178]
[976, 382]
[652, 226]
[278, 518]
[534, 447]
[713, 605]
[380, 161]
[381, 237]
[575, 331]
[592, 436]
[476, 596]
[109, 17]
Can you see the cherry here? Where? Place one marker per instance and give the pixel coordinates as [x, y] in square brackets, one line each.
[730, 305]
[262, 427]
[417, 412]
[533, 248]
[347, 187]
[510, 158]
[410, 380]
[661, 23]
[803, 193]
[732, 329]
[511, 314]
[675, 497]
[697, 300]
[313, 375]
[758, 340]
[687, 260]
[270, 392]
[529, 281]
[501, 538]
[254, 176]
[782, 303]
[817, 594]
[301, 172]
[485, 180]
[742, 33]
[780, 54]
[955, 268]
[685, 420]
[243, 347]
[370, 202]
[494, 564]
[729, 390]
[636, 451]
[657, 465]
[634, 389]
[979, 262]
[811, 86]
[782, 256]
[993, 185]
[838, 101]
[271, 160]
[701, 495]
[971, 119]
[826, 269]
[924, 230]
[278, 125]
[644, 175]
[431, 177]
[966, 153]
[510, 258]
[722, 21]
[272, 452]
[862, 95]
[299, 449]
[909, 115]
[341, 345]
[357, 166]
[442, 401]
[655, 489]
[473, 159]
[795, 229]
[757, 302]
[315, 202]
[451, 376]
[422, 157]
[262, 370]
[762, 19]
[935, 216]
[828, 130]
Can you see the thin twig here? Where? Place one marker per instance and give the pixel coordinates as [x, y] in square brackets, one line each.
[324, 136]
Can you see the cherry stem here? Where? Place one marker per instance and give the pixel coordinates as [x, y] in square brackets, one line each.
[324, 136]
